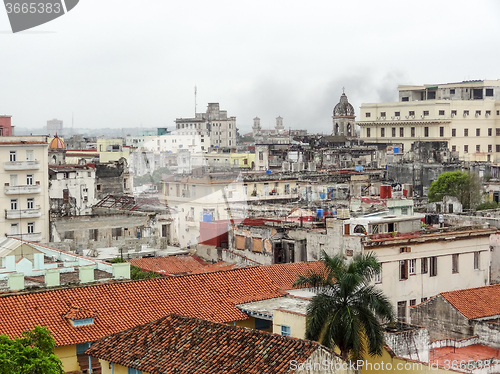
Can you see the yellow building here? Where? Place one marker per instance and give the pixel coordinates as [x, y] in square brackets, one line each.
[112, 150]
[242, 160]
[465, 114]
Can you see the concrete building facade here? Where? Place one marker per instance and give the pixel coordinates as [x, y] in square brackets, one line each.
[464, 114]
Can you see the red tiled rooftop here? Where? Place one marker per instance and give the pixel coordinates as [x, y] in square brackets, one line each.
[178, 265]
[471, 353]
[122, 305]
[175, 344]
[475, 302]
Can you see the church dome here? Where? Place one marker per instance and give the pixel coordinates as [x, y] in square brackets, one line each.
[57, 143]
[343, 108]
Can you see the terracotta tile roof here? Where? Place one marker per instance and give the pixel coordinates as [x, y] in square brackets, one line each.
[122, 305]
[284, 275]
[175, 344]
[467, 354]
[475, 302]
[178, 265]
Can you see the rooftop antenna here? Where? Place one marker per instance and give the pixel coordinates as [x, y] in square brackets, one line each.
[72, 123]
[195, 101]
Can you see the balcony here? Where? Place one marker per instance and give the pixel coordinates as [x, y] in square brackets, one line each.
[22, 190]
[32, 237]
[21, 165]
[22, 213]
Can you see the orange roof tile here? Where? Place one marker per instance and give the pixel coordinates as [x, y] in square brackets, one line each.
[475, 302]
[175, 344]
[122, 305]
[178, 265]
[464, 355]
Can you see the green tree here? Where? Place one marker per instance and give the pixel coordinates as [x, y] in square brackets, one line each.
[33, 353]
[347, 311]
[465, 186]
[154, 178]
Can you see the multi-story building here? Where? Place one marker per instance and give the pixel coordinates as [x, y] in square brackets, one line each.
[25, 197]
[55, 127]
[6, 128]
[465, 114]
[214, 124]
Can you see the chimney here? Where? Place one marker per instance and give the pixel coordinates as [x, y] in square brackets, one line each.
[52, 278]
[16, 281]
[86, 273]
[121, 270]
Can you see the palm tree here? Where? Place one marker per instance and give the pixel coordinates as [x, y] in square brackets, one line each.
[346, 311]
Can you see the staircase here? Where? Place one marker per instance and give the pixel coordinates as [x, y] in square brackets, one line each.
[83, 361]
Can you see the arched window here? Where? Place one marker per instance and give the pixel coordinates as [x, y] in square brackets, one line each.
[336, 129]
[360, 229]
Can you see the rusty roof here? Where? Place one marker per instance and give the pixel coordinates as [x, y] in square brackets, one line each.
[176, 344]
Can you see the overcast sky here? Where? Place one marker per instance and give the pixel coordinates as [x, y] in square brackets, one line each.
[135, 63]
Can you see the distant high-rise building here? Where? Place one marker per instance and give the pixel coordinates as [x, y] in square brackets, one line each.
[215, 126]
[55, 127]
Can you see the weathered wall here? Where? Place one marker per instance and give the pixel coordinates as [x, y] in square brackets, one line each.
[488, 332]
[412, 344]
[441, 319]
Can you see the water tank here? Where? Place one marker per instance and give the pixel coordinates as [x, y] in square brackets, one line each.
[385, 192]
[396, 149]
[268, 171]
[322, 196]
[207, 217]
[320, 213]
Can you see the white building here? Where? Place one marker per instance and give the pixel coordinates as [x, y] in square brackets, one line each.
[213, 124]
[25, 197]
[55, 127]
[464, 114]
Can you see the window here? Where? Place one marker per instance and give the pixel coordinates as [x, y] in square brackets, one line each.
[134, 371]
[412, 132]
[433, 266]
[13, 204]
[478, 132]
[382, 132]
[478, 148]
[378, 276]
[29, 179]
[490, 148]
[401, 132]
[454, 263]
[403, 269]
[478, 113]
[31, 227]
[488, 113]
[452, 91]
[14, 229]
[489, 92]
[397, 114]
[426, 112]
[411, 113]
[497, 148]
[262, 324]
[368, 132]
[453, 132]
[441, 112]
[368, 114]
[476, 260]
[30, 156]
[424, 265]
[466, 113]
[441, 131]
[98, 187]
[413, 302]
[382, 114]
[490, 132]
[405, 98]
[30, 203]
[404, 211]
[453, 148]
[497, 132]
[261, 156]
[498, 112]
[453, 113]
[466, 148]
[401, 310]
[393, 132]
[413, 267]
[285, 330]
[12, 156]
[426, 132]
[13, 180]
[466, 132]
[423, 299]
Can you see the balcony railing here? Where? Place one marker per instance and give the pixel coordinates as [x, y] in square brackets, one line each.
[21, 165]
[22, 213]
[24, 189]
[32, 237]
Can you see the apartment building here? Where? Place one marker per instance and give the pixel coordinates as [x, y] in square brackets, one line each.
[464, 114]
[213, 124]
[25, 197]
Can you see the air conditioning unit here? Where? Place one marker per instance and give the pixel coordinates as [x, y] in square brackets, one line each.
[486, 115]
[397, 117]
[382, 117]
[452, 115]
[412, 117]
[392, 117]
[406, 117]
[465, 114]
[477, 114]
[422, 116]
[378, 118]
